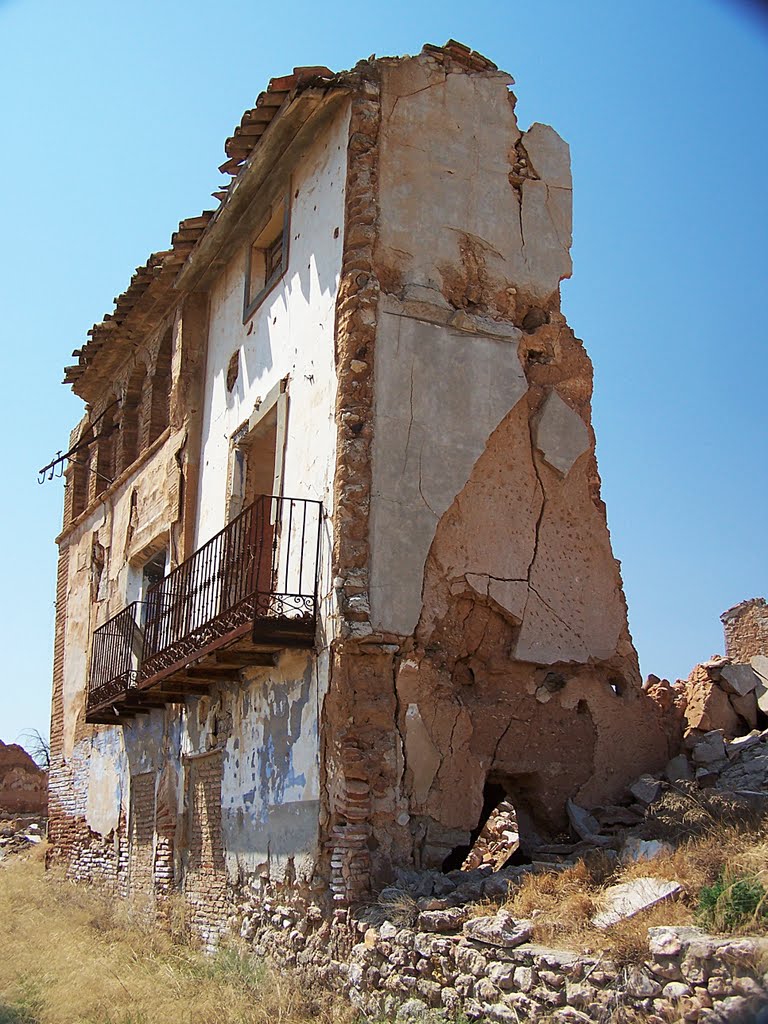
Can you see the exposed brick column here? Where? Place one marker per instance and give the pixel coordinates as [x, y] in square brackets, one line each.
[57, 826]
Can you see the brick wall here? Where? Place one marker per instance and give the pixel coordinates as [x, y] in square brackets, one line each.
[205, 880]
[746, 630]
[142, 833]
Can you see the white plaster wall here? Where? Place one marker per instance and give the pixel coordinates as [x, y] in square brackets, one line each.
[291, 333]
[271, 781]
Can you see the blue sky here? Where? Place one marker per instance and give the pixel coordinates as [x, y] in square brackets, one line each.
[113, 122]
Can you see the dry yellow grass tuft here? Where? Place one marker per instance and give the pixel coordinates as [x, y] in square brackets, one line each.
[71, 954]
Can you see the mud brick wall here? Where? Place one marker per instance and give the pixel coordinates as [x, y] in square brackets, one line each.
[746, 630]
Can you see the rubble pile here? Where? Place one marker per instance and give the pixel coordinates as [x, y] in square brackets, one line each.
[19, 834]
[497, 841]
[722, 694]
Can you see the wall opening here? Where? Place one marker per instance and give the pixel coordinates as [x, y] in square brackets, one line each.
[130, 418]
[81, 473]
[160, 401]
[106, 450]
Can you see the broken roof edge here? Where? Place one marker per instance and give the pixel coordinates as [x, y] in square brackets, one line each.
[192, 246]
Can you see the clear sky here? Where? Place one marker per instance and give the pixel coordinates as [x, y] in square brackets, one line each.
[114, 117]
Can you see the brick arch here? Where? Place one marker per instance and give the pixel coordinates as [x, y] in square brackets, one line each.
[106, 449]
[80, 479]
[129, 444]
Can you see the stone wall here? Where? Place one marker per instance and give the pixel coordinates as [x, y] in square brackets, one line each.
[408, 973]
[746, 630]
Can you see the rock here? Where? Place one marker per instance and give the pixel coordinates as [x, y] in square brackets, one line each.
[670, 940]
[470, 961]
[745, 707]
[503, 975]
[449, 920]
[678, 769]
[499, 930]
[709, 709]
[735, 746]
[629, 898]
[486, 990]
[640, 986]
[635, 849]
[710, 748]
[387, 931]
[585, 825]
[569, 1015]
[675, 990]
[646, 789]
[738, 679]
[412, 1009]
[524, 979]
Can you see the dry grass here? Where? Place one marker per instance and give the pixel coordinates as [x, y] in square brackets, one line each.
[564, 902]
[71, 955]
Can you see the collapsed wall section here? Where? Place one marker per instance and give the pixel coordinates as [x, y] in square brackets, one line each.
[486, 630]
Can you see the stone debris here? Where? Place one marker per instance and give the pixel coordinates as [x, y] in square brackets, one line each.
[20, 834]
[501, 929]
[628, 898]
[497, 841]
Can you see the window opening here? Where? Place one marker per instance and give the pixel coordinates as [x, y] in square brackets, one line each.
[267, 259]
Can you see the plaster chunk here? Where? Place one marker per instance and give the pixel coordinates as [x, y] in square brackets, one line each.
[422, 755]
[426, 443]
[561, 434]
[549, 155]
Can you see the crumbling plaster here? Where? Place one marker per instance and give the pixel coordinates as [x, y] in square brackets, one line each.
[496, 636]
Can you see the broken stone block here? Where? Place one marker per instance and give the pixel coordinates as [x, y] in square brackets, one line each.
[709, 708]
[646, 789]
[738, 679]
[746, 707]
[585, 825]
[710, 748]
[500, 930]
[449, 920]
[561, 434]
[678, 769]
[629, 898]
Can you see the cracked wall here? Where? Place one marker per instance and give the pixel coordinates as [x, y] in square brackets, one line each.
[495, 630]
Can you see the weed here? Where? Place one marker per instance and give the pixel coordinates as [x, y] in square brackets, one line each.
[732, 902]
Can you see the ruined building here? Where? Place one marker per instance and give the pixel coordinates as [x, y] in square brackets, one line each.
[335, 575]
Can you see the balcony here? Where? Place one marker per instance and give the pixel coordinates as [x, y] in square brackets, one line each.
[248, 593]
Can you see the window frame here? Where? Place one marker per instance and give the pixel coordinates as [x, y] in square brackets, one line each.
[266, 245]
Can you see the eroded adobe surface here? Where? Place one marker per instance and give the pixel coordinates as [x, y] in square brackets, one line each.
[23, 785]
[489, 621]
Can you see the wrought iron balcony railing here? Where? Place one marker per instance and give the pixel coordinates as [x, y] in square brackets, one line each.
[116, 654]
[254, 580]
